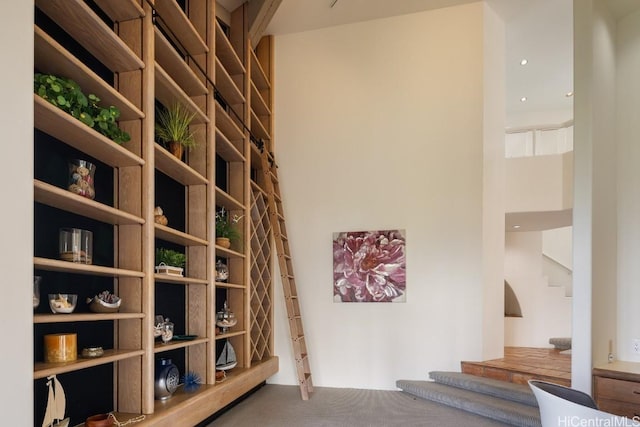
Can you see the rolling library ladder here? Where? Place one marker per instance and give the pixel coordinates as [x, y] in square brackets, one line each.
[276, 216]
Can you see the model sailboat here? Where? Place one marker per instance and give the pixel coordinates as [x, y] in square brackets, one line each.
[227, 359]
[56, 405]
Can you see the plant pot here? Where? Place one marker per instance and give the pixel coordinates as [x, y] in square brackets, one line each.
[176, 149]
[224, 242]
[169, 270]
[100, 420]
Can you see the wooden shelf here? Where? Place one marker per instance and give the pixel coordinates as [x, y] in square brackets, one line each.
[165, 278]
[178, 237]
[226, 86]
[43, 370]
[82, 23]
[168, 93]
[258, 103]
[120, 10]
[229, 285]
[230, 335]
[224, 199]
[171, 61]
[84, 317]
[172, 345]
[180, 27]
[73, 132]
[189, 408]
[228, 253]
[59, 198]
[227, 55]
[258, 76]
[226, 150]
[228, 128]
[171, 166]
[257, 128]
[51, 58]
[88, 269]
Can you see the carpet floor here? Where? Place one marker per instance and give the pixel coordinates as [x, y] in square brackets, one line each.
[281, 406]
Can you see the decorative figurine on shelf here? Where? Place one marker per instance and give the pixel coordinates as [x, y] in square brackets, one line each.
[158, 216]
[56, 405]
[225, 319]
[222, 271]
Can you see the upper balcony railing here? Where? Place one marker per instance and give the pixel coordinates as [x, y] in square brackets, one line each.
[539, 140]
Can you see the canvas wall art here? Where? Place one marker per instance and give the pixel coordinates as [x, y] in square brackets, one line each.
[369, 266]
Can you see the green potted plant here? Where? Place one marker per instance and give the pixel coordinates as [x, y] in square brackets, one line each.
[170, 262]
[172, 129]
[66, 94]
[226, 232]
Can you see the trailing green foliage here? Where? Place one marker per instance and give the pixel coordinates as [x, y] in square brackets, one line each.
[66, 94]
[172, 125]
[170, 257]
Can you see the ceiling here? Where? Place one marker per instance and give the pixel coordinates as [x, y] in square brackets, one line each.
[538, 30]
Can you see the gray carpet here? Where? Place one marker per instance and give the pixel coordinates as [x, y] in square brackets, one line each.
[281, 406]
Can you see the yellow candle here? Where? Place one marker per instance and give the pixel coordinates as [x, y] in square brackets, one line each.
[60, 348]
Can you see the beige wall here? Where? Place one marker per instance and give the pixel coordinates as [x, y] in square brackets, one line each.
[380, 125]
[16, 187]
[627, 132]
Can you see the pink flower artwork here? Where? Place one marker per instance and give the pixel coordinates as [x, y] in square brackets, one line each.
[369, 266]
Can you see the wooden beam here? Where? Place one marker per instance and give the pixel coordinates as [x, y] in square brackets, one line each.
[260, 14]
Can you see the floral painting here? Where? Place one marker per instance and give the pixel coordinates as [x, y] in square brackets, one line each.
[369, 266]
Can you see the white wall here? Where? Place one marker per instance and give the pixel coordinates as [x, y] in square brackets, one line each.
[16, 187]
[380, 125]
[594, 222]
[536, 184]
[556, 244]
[546, 311]
[628, 129]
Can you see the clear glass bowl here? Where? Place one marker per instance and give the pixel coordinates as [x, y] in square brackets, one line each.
[63, 303]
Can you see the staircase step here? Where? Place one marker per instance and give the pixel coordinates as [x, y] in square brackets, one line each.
[506, 411]
[504, 390]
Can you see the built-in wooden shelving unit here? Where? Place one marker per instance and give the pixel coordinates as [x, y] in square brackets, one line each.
[139, 56]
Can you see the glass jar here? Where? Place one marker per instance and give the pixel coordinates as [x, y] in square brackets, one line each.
[76, 245]
[222, 271]
[167, 331]
[81, 176]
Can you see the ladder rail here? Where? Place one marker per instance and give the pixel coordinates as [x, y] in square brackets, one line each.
[292, 302]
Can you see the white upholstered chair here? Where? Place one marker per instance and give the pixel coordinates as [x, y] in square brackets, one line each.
[565, 407]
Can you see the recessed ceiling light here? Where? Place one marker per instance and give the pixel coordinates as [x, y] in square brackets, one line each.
[569, 94]
[516, 226]
[524, 61]
[523, 99]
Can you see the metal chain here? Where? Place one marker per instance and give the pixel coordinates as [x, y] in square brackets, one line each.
[129, 421]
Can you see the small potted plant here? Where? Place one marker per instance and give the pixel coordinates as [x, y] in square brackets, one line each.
[172, 129]
[170, 262]
[226, 232]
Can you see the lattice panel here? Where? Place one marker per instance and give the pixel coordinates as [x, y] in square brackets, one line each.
[261, 278]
